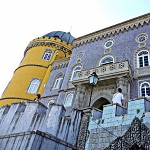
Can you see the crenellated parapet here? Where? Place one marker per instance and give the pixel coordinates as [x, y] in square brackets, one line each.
[114, 121]
[116, 115]
[50, 42]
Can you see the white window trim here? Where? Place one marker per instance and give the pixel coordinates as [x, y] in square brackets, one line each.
[33, 90]
[82, 52]
[75, 71]
[47, 51]
[141, 86]
[141, 34]
[68, 93]
[60, 80]
[138, 63]
[104, 58]
[108, 40]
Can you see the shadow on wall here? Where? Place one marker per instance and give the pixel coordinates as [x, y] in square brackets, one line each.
[100, 102]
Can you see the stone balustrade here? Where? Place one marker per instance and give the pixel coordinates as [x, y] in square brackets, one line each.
[105, 71]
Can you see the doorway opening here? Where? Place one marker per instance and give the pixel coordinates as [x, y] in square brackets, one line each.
[100, 102]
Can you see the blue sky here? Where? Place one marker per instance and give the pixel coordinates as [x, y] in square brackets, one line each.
[22, 21]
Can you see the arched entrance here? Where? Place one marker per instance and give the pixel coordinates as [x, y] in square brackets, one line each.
[100, 102]
[136, 147]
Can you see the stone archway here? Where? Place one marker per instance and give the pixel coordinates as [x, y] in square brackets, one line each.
[101, 99]
[100, 102]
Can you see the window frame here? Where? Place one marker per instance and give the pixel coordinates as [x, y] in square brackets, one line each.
[80, 53]
[144, 88]
[105, 43]
[70, 104]
[58, 78]
[32, 88]
[104, 58]
[47, 52]
[73, 71]
[137, 39]
[143, 59]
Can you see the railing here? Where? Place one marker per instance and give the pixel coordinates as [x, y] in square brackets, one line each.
[104, 71]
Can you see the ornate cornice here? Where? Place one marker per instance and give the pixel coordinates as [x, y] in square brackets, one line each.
[112, 30]
[61, 63]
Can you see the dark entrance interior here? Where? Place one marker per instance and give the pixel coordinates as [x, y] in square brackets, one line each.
[136, 147]
[100, 102]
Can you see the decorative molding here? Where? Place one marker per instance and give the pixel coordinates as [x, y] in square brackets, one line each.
[56, 77]
[20, 98]
[141, 71]
[110, 41]
[30, 66]
[139, 85]
[105, 72]
[138, 134]
[61, 63]
[47, 43]
[112, 30]
[83, 129]
[144, 37]
[50, 96]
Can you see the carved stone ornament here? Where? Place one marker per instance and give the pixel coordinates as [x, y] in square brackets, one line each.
[83, 129]
[136, 138]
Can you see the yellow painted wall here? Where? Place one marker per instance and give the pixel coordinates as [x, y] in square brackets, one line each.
[32, 66]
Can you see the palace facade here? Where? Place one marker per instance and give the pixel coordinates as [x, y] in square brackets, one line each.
[57, 66]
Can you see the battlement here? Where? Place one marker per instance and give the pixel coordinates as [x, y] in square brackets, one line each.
[114, 121]
[115, 115]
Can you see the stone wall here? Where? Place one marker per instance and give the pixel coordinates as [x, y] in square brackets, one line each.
[34, 126]
[114, 121]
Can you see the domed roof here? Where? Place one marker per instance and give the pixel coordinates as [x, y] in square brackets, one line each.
[64, 36]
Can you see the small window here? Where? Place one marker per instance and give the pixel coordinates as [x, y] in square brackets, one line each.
[74, 72]
[143, 59]
[108, 43]
[80, 55]
[145, 89]
[141, 38]
[47, 55]
[33, 87]
[58, 82]
[106, 60]
[68, 100]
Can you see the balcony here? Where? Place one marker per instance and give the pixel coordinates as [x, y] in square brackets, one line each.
[104, 72]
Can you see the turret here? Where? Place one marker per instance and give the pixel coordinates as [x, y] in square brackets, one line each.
[35, 68]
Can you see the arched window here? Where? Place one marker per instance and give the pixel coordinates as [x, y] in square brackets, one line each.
[145, 89]
[106, 60]
[74, 72]
[58, 82]
[68, 100]
[143, 58]
[47, 55]
[33, 87]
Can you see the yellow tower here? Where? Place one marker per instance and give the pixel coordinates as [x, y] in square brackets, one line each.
[35, 68]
